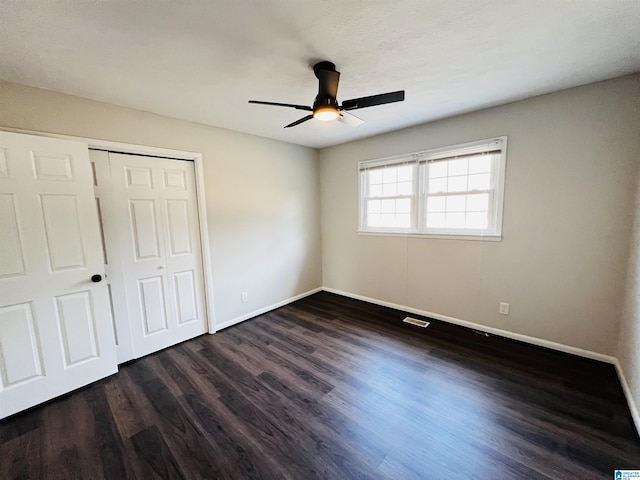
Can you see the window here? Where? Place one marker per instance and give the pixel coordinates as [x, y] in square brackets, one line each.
[453, 191]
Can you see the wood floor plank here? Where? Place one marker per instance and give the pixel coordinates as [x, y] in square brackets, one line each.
[336, 426]
[289, 438]
[127, 404]
[235, 458]
[156, 460]
[17, 426]
[106, 436]
[262, 342]
[334, 388]
[183, 438]
[69, 446]
[21, 457]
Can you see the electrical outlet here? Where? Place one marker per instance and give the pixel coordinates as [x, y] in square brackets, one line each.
[244, 297]
[504, 308]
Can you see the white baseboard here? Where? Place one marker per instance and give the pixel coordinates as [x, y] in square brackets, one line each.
[482, 328]
[260, 311]
[635, 414]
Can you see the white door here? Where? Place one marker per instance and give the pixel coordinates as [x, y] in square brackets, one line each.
[112, 230]
[56, 332]
[150, 221]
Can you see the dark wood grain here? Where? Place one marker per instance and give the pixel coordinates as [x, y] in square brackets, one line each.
[154, 456]
[330, 387]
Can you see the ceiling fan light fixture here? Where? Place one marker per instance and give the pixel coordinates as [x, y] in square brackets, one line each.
[326, 113]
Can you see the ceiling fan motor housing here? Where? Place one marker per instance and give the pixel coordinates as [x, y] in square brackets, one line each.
[324, 101]
[329, 66]
[328, 79]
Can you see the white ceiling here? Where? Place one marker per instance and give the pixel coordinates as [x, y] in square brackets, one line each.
[202, 60]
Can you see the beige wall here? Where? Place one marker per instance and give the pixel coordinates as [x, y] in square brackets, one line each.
[262, 195]
[572, 160]
[628, 351]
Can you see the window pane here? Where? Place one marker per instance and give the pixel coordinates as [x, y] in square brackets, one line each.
[388, 212]
[390, 174]
[391, 181]
[403, 205]
[456, 203]
[480, 164]
[457, 184]
[375, 191]
[480, 181]
[405, 188]
[436, 220]
[390, 189]
[388, 206]
[374, 220]
[436, 204]
[390, 220]
[438, 169]
[405, 173]
[478, 202]
[437, 185]
[373, 206]
[387, 220]
[402, 220]
[458, 167]
[478, 220]
[375, 176]
[455, 220]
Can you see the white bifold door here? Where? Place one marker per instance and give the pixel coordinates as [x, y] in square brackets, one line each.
[56, 330]
[153, 253]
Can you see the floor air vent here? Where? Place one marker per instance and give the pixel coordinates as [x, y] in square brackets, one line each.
[415, 321]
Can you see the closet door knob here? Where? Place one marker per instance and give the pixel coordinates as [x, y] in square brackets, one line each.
[96, 278]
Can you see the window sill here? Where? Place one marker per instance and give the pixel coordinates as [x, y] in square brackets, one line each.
[444, 236]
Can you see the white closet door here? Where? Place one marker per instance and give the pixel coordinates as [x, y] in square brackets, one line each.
[111, 228]
[153, 207]
[56, 332]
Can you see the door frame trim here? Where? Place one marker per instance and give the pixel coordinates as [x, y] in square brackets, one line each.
[196, 157]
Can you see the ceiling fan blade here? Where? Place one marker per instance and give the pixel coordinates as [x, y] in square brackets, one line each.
[328, 82]
[373, 100]
[298, 122]
[350, 119]
[297, 107]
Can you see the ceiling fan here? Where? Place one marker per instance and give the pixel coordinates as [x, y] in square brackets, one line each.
[326, 107]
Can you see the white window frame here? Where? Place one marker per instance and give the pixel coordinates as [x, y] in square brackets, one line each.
[421, 181]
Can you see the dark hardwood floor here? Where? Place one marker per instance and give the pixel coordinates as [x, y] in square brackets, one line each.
[330, 387]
